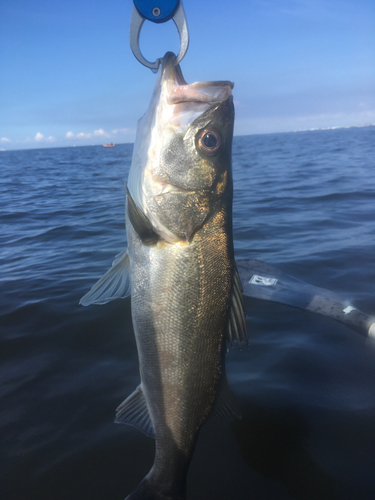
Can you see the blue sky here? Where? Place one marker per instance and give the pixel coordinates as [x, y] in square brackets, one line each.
[68, 76]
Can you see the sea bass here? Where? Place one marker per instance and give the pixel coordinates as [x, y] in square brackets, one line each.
[186, 295]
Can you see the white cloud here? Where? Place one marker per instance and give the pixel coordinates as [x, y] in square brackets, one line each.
[40, 138]
[100, 132]
[120, 130]
[5, 139]
[88, 135]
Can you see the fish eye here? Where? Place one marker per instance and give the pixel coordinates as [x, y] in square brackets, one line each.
[209, 142]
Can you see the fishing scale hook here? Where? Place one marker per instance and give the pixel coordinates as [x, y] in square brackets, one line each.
[158, 11]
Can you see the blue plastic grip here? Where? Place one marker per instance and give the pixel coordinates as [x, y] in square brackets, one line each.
[157, 11]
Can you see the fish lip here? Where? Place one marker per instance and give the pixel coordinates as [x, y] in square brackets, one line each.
[179, 91]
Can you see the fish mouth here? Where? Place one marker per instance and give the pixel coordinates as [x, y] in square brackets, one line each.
[178, 91]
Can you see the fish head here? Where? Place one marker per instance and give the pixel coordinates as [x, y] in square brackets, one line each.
[181, 166]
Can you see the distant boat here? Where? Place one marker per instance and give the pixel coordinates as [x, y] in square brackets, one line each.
[110, 145]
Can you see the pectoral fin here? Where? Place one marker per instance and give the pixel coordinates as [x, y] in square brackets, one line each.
[134, 411]
[115, 284]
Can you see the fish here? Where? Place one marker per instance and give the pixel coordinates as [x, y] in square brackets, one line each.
[179, 268]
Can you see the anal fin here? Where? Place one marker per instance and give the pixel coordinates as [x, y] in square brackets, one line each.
[226, 405]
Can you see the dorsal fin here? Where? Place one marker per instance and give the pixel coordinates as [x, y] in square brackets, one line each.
[140, 222]
[134, 411]
[237, 323]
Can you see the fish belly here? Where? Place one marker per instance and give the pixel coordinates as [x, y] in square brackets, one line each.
[180, 309]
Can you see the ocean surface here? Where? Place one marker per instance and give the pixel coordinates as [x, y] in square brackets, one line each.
[303, 202]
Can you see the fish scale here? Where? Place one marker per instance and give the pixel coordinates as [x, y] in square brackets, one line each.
[181, 344]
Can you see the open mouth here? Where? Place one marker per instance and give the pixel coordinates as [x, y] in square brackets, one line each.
[179, 91]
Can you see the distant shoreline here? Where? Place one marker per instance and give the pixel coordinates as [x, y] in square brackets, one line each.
[236, 135]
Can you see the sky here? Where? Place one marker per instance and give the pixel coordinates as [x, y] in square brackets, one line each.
[68, 76]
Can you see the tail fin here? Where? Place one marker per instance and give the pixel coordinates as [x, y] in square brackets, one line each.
[144, 491]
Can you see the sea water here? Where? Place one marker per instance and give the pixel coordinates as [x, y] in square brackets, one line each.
[303, 202]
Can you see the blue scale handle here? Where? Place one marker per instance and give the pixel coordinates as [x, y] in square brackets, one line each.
[157, 11]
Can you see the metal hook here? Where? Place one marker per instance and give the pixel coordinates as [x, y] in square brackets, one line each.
[136, 24]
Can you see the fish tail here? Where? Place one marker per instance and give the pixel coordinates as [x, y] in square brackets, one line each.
[145, 491]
